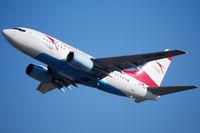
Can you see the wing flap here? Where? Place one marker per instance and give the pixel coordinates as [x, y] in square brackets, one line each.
[169, 89]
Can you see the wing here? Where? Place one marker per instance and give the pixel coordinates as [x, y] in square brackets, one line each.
[169, 89]
[103, 66]
[59, 82]
[45, 87]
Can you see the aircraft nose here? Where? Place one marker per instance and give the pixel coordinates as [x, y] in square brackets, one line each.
[7, 33]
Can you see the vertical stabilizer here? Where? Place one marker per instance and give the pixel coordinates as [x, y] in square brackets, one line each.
[153, 72]
[157, 69]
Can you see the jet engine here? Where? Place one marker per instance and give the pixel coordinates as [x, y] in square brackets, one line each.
[39, 73]
[79, 61]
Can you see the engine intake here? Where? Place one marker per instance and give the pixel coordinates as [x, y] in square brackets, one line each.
[39, 73]
[79, 61]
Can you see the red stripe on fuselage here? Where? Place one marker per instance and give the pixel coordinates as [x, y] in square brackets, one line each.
[142, 76]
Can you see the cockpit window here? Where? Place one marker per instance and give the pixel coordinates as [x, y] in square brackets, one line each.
[19, 29]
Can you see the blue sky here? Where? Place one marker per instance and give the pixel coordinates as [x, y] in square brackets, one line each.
[102, 28]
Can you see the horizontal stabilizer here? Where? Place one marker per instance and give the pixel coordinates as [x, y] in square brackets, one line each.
[169, 89]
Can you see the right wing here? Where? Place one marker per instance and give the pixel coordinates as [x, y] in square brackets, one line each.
[169, 89]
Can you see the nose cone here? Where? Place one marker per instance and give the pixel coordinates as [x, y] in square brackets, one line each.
[21, 40]
[7, 33]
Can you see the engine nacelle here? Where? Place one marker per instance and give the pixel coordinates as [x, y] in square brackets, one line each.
[39, 73]
[79, 61]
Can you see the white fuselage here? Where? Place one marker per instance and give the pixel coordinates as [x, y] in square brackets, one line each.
[33, 43]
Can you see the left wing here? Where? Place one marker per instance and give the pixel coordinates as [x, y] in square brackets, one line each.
[45, 87]
[58, 82]
[103, 66]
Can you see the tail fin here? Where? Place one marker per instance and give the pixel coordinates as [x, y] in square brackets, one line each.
[157, 69]
[153, 72]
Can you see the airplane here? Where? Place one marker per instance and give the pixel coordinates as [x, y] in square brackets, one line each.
[68, 66]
